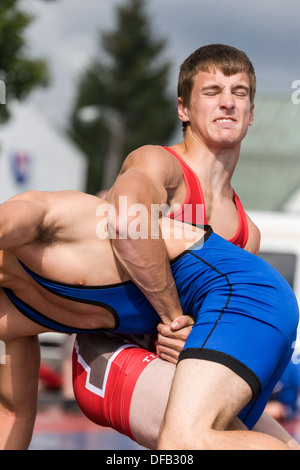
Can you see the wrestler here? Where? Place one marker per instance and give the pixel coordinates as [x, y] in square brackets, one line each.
[216, 90]
[52, 279]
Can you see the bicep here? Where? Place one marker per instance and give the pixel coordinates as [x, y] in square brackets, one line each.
[136, 198]
[19, 221]
[143, 178]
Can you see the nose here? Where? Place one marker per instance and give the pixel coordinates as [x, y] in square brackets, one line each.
[227, 100]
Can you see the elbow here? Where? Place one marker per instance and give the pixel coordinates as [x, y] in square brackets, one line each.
[117, 223]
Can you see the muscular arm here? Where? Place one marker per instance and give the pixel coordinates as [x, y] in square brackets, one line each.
[141, 185]
[18, 393]
[20, 218]
[172, 338]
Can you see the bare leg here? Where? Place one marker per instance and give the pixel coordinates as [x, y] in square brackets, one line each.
[268, 425]
[198, 415]
[151, 393]
[149, 401]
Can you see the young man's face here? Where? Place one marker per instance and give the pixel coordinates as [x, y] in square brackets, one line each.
[220, 111]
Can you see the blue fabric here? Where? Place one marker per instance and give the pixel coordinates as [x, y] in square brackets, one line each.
[246, 313]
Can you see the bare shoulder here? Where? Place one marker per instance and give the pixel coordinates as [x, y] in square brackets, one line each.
[66, 210]
[63, 199]
[153, 158]
[70, 203]
[49, 196]
[148, 173]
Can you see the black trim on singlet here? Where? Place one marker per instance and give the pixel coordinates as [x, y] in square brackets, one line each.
[229, 361]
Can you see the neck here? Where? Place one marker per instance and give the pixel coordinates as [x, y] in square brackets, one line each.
[211, 164]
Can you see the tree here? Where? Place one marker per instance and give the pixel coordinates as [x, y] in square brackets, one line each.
[128, 90]
[19, 73]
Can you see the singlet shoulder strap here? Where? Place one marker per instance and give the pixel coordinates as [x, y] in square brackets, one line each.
[194, 195]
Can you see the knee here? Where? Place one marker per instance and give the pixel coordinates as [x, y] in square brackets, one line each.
[185, 440]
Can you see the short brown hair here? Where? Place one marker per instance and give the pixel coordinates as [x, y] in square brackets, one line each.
[210, 58]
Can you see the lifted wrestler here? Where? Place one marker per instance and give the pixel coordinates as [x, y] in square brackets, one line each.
[53, 279]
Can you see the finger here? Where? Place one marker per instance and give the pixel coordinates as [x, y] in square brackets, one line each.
[176, 344]
[180, 335]
[167, 357]
[182, 321]
[168, 352]
[165, 330]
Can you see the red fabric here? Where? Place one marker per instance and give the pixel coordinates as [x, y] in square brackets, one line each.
[242, 234]
[195, 197]
[113, 409]
[49, 378]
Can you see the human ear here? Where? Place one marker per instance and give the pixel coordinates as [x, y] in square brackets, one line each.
[251, 117]
[182, 111]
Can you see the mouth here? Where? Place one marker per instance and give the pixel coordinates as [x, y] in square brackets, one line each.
[225, 120]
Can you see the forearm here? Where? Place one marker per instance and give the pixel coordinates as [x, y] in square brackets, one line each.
[18, 392]
[16, 430]
[147, 264]
[137, 240]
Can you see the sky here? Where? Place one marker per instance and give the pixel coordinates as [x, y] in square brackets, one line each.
[66, 33]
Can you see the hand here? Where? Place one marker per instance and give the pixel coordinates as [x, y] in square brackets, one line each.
[171, 338]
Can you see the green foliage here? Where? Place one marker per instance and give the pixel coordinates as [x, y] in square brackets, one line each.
[20, 73]
[130, 80]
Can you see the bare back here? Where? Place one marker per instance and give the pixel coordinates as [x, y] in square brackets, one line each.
[71, 246]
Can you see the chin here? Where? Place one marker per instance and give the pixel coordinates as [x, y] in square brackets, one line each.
[228, 141]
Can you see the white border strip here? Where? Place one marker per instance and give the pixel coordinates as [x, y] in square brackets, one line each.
[92, 388]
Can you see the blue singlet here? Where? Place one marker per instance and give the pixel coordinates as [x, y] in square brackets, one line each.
[246, 313]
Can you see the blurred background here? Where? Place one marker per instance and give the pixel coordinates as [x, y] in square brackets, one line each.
[83, 83]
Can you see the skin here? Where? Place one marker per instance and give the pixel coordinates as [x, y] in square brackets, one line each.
[54, 234]
[18, 379]
[151, 175]
[145, 421]
[44, 230]
[219, 114]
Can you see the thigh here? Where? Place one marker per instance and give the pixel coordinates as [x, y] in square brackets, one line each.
[251, 414]
[149, 401]
[205, 395]
[252, 349]
[105, 371]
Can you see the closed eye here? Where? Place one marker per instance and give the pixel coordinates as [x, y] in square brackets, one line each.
[240, 91]
[211, 91]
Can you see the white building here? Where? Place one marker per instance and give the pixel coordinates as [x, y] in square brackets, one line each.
[35, 155]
